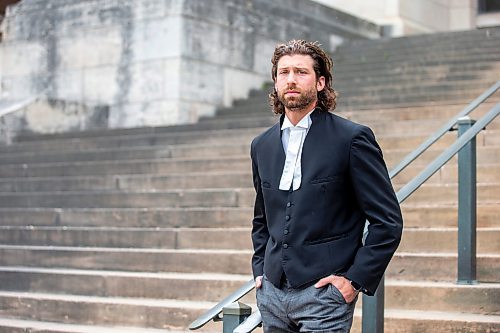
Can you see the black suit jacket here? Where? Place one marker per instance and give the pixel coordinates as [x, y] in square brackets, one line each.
[317, 230]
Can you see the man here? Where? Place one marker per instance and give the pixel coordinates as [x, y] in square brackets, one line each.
[318, 178]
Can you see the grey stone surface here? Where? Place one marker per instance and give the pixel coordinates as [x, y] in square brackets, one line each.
[155, 62]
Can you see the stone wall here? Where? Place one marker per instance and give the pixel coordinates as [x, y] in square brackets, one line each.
[156, 62]
[410, 17]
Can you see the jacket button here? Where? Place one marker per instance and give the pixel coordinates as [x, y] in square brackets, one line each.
[285, 246]
[287, 217]
[288, 204]
[285, 231]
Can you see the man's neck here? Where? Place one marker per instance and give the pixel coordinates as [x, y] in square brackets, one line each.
[296, 116]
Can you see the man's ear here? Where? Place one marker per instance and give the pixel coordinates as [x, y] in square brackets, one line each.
[320, 84]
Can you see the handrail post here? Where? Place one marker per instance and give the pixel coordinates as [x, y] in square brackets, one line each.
[373, 311]
[233, 315]
[466, 206]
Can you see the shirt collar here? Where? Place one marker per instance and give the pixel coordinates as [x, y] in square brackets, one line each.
[305, 122]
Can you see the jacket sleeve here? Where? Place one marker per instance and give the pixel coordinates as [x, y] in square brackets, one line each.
[260, 233]
[376, 198]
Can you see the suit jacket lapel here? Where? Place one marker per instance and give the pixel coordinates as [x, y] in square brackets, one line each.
[276, 152]
[313, 140]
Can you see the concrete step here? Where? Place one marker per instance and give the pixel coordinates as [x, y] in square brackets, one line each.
[431, 74]
[395, 127]
[351, 102]
[123, 132]
[129, 217]
[138, 182]
[55, 143]
[459, 62]
[485, 155]
[487, 138]
[447, 41]
[399, 321]
[396, 321]
[408, 46]
[128, 259]
[139, 171]
[448, 174]
[444, 240]
[439, 267]
[448, 194]
[399, 48]
[382, 63]
[164, 141]
[421, 215]
[426, 49]
[402, 84]
[405, 295]
[125, 153]
[175, 286]
[164, 166]
[404, 266]
[146, 136]
[221, 197]
[350, 87]
[120, 237]
[10, 325]
[259, 108]
[439, 113]
[416, 295]
[174, 198]
[422, 127]
[101, 311]
[429, 216]
[351, 94]
[486, 172]
[434, 240]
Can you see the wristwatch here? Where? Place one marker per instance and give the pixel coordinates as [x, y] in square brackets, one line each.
[356, 285]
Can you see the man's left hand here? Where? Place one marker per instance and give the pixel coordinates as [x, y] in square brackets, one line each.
[342, 284]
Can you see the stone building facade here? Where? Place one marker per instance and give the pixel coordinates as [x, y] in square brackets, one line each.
[69, 65]
[131, 63]
[410, 17]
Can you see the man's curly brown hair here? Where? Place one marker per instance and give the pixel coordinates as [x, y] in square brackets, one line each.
[323, 65]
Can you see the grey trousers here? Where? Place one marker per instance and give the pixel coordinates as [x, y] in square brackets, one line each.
[304, 310]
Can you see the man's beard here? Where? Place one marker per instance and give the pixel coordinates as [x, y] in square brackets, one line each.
[300, 102]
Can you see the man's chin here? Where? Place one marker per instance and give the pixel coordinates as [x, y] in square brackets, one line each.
[294, 107]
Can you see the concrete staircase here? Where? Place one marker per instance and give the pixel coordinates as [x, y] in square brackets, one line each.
[142, 230]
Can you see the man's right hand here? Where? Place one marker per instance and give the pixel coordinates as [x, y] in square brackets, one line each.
[258, 281]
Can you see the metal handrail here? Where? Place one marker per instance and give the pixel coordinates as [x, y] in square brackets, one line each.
[442, 131]
[20, 105]
[5, 132]
[249, 324]
[214, 312]
[404, 192]
[445, 156]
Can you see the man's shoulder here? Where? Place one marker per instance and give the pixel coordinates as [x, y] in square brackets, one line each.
[344, 124]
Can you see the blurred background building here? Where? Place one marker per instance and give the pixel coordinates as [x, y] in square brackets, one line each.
[116, 64]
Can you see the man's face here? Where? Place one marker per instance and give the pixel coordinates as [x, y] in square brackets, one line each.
[296, 82]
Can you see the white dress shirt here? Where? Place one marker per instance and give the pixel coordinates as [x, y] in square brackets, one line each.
[293, 138]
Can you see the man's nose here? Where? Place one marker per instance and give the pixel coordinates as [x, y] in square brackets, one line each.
[290, 78]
